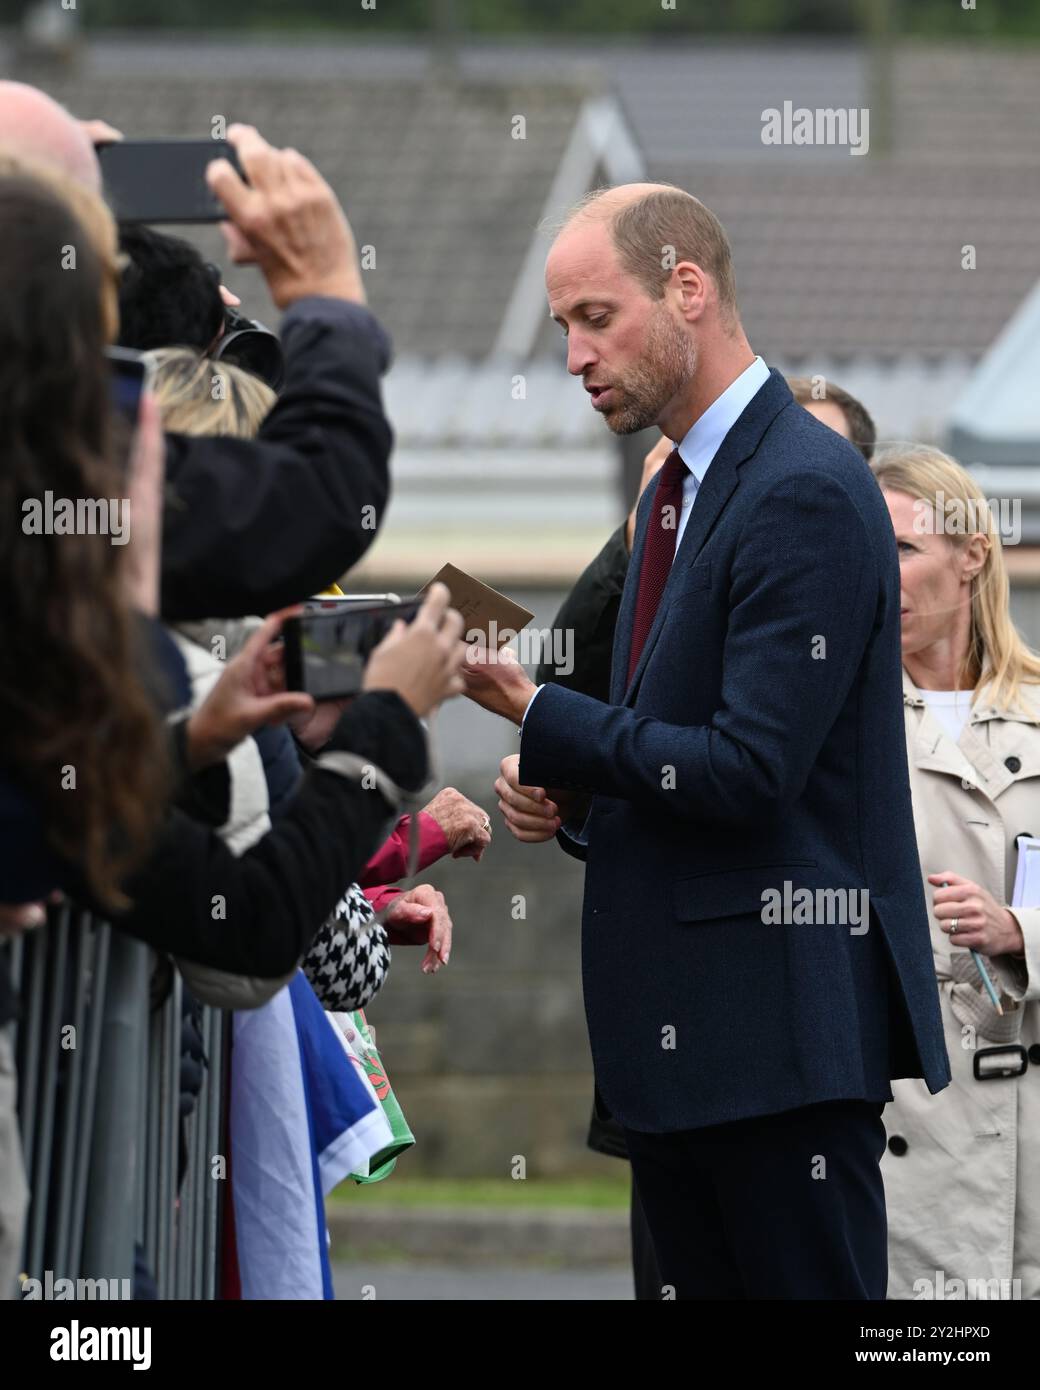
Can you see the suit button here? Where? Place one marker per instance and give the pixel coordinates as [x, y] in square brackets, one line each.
[1034, 1054]
[897, 1145]
[1013, 764]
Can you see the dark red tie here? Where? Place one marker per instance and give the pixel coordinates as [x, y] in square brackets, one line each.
[658, 552]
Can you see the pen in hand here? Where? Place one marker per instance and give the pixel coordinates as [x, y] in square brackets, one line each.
[984, 975]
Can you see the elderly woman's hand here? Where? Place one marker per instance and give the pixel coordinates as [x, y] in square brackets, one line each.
[982, 924]
[420, 917]
[466, 827]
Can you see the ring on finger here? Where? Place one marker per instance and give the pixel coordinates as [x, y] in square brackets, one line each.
[953, 925]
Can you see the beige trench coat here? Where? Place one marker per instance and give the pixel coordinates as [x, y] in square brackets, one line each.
[962, 1169]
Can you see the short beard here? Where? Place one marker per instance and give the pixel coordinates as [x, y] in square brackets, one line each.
[667, 367]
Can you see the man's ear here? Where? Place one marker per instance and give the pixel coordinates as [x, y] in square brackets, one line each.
[694, 289]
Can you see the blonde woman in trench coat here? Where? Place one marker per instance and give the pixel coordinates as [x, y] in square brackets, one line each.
[962, 1170]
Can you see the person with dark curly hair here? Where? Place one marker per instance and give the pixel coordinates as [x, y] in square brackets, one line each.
[168, 296]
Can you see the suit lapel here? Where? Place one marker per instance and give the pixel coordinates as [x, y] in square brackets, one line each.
[718, 486]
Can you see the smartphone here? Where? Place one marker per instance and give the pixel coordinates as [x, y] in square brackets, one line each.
[130, 376]
[130, 373]
[326, 652]
[335, 603]
[162, 180]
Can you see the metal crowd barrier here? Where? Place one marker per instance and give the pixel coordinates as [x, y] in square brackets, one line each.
[98, 1109]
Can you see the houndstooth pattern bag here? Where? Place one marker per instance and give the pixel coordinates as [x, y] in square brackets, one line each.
[350, 957]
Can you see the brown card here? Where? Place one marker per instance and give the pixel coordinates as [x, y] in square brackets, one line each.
[481, 605]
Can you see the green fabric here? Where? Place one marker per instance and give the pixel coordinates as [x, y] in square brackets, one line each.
[384, 1162]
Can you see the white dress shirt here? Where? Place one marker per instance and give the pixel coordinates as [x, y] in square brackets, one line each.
[703, 439]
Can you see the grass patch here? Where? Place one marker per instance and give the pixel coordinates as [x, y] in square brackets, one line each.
[599, 1193]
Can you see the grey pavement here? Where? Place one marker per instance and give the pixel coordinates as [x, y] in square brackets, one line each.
[495, 1283]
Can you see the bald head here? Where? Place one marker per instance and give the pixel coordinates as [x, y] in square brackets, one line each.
[33, 125]
[607, 202]
[653, 227]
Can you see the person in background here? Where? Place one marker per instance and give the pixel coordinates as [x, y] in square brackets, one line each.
[198, 395]
[833, 406]
[168, 295]
[961, 1177]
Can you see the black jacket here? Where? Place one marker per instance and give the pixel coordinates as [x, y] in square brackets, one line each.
[590, 610]
[30, 869]
[252, 525]
[257, 913]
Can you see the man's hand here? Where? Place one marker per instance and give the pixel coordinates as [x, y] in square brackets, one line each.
[286, 220]
[419, 916]
[250, 693]
[532, 814]
[651, 467]
[466, 827]
[496, 681]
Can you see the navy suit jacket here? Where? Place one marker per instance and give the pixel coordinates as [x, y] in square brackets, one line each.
[759, 745]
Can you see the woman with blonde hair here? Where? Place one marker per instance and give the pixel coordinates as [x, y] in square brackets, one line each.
[203, 395]
[961, 1178]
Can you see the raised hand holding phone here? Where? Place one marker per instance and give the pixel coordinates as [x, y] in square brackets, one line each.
[160, 181]
[286, 220]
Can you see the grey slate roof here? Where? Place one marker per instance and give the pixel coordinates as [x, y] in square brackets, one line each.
[428, 171]
[834, 254]
[870, 262]
[997, 420]
[692, 98]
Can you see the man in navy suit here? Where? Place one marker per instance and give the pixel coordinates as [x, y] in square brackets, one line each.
[756, 958]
